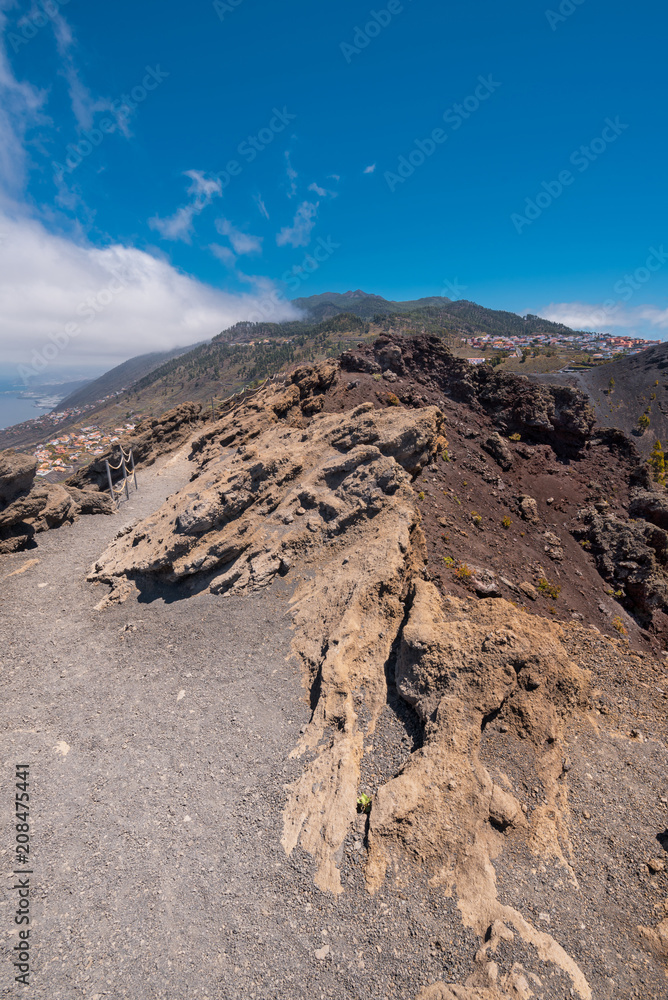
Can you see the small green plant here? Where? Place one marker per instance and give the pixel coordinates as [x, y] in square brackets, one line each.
[643, 422]
[506, 522]
[393, 400]
[377, 377]
[515, 437]
[548, 589]
[445, 455]
[657, 463]
[653, 396]
[476, 518]
[619, 626]
[421, 494]
[586, 544]
[619, 593]
[364, 803]
[449, 561]
[463, 572]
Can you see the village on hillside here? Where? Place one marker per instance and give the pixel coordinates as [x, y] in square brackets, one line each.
[65, 453]
[600, 347]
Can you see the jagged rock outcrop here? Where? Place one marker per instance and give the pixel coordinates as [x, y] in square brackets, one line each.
[499, 450]
[28, 508]
[631, 555]
[464, 668]
[285, 490]
[650, 505]
[548, 413]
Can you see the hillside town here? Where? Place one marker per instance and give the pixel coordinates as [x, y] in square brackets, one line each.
[65, 453]
[601, 347]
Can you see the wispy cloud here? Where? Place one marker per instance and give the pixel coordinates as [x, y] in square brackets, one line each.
[299, 233]
[322, 192]
[242, 243]
[224, 254]
[606, 316]
[179, 226]
[84, 105]
[292, 176]
[20, 109]
[371, 169]
[261, 206]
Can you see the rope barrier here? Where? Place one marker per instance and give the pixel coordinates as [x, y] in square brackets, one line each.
[116, 491]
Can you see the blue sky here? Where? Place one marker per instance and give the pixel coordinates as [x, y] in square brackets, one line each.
[510, 154]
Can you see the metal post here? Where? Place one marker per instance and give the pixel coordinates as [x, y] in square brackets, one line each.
[125, 475]
[111, 482]
[134, 471]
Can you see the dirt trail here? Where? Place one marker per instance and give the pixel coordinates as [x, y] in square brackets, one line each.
[159, 737]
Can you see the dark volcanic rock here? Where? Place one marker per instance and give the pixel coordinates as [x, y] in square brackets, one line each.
[631, 555]
[650, 506]
[552, 414]
[499, 451]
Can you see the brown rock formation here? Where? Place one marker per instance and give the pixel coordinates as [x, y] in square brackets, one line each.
[28, 508]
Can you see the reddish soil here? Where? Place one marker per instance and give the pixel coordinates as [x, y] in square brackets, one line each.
[471, 483]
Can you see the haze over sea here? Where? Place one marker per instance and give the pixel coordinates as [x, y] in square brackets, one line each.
[14, 410]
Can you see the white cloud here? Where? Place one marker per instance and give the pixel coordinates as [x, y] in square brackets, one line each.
[123, 301]
[179, 226]
[371, 169]
[644, 319]
[242, 243]
[299, 233]
[657, 317]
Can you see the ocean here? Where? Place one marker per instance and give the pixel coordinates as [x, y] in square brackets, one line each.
[14, 410]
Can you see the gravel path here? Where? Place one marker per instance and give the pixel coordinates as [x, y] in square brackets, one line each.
[158, 734]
